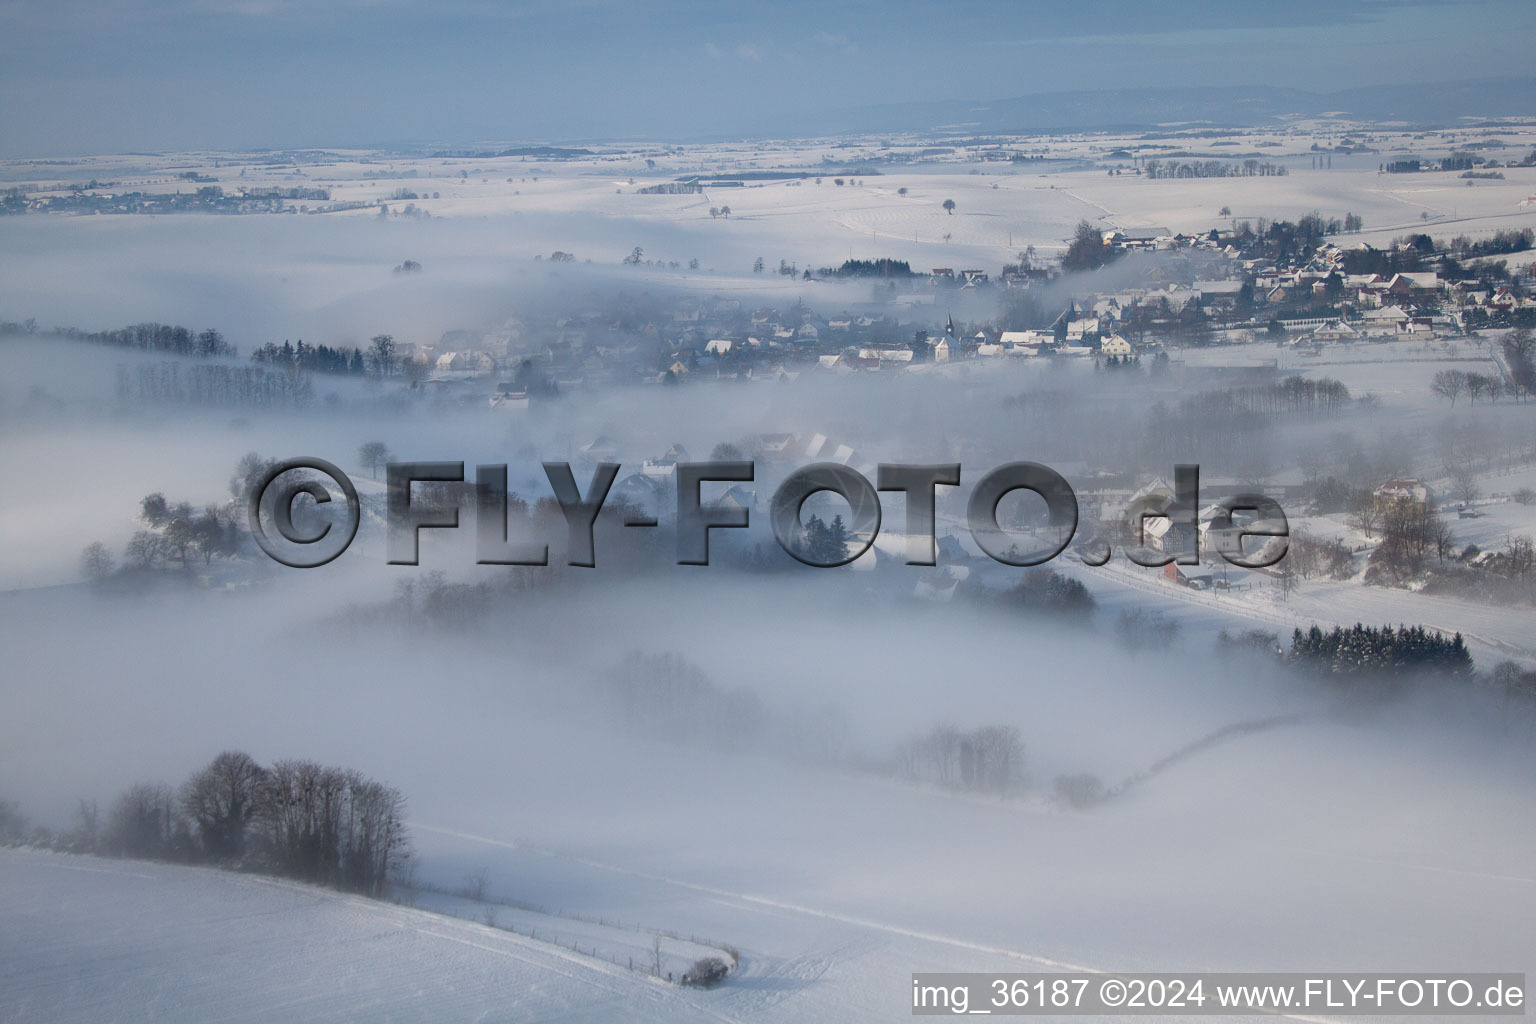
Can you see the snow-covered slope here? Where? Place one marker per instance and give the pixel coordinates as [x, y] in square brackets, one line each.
[84, 939]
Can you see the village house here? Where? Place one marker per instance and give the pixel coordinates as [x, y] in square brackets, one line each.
[1115, 345]
[1410, 490]
[1335, 330]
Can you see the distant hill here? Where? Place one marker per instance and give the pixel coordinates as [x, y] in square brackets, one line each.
[1238, 106]
[538, 152]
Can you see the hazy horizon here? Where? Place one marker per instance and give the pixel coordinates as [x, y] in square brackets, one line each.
[89, 77]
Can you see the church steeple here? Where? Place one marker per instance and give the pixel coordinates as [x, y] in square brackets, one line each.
[949, 326]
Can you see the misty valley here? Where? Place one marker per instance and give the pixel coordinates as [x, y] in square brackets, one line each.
[722, 577]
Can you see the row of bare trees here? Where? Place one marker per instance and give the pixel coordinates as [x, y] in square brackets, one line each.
[299, 819]
[1452, 384]
[989, 759]
[218, 384]
[1290, 395]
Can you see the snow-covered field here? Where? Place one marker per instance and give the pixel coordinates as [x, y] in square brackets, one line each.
[95, 940]
[490, 216]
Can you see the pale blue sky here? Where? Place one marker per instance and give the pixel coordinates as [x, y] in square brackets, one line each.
[110, 75]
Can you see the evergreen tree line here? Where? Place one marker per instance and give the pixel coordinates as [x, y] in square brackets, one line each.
[1386, 262]
[824, 543]
[296, 819]
[883, 267]
[1368, 650]
[315, 358]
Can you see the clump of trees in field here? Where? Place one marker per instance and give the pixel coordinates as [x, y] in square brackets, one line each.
[825, 543]
[295, 819]
[175, 535]
[1048, 591]
[179, 536]
[706, 973]
[178, 533]
[1363, 650]
[1087, 250]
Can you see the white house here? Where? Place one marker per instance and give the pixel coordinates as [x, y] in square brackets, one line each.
[1076, 329]
[1219, 291]
[1029, 341]
[1410, 490]
[1336, 330]
[1115, 345]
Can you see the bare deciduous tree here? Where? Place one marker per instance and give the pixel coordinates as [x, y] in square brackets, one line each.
[144, 823]
[372, 455]
[1449, 384]
[96, 562]
[221, 800]
[1464, 482]
[381, 354]
[1364, 512]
